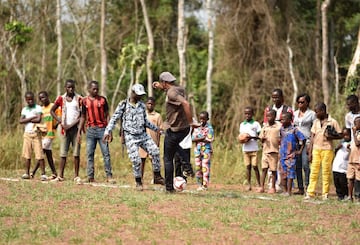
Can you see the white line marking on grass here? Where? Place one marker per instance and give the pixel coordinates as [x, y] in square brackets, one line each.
[10, 179]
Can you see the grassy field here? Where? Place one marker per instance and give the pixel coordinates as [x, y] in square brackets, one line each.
[35, 212]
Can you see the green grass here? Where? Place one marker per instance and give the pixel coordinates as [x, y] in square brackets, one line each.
[32, 212]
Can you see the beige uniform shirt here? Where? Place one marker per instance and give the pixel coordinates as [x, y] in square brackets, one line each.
[320, 142]
[155, 118]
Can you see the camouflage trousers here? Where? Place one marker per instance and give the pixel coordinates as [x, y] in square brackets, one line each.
[133, 142]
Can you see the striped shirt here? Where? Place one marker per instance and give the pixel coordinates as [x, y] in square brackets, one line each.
[96, 110]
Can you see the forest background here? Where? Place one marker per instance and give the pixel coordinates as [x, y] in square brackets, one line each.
[228, 54]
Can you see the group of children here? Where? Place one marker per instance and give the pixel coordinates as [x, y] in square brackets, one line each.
[74, 112]
[283, 144]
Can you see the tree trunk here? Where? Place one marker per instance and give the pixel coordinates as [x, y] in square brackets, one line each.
[354, 63]
[291, 68]
[150, 54]
[103, 49]
[325, 52]
[210, 12]
[181, 43]
[336, 67]
[59, 48]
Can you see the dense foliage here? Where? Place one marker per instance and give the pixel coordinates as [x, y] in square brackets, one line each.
[251, 50]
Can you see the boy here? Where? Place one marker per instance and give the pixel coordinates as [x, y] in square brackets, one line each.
[250, 148]
[155, 118]
[70, 116]
[95, 111]
[47, 140]
[134, 123]
[353, 171]
[203, 137]
[270, 138]
[30, 115]
[340, 164]
[321, 152]
[292, 142]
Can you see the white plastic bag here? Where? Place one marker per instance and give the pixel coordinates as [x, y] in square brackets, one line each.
[186, 143]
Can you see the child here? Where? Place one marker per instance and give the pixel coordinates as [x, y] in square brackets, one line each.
[292, 142]
[353, 171]
[340, 164]
[203, 136]
[270, 138]
[30, 115]
[321, 152]
[155, 118]
[95, 112]
[70, 104]
[250, 148]
[51, 125]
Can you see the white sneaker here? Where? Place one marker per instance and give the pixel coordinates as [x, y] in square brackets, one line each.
[77, 180]
[43, 177]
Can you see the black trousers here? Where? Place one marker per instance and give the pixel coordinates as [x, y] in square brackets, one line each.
[340, 182]
[172, 147]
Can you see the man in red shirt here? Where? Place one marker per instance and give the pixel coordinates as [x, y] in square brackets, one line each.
[95, 111]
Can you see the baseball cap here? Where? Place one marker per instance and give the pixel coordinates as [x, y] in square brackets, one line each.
[167, 77]
[138, 89]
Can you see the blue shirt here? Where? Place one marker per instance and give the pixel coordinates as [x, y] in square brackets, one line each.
[290, 138]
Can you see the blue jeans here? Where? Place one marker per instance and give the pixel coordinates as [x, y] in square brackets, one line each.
[94, 135]
[171, 146]
[302, 162]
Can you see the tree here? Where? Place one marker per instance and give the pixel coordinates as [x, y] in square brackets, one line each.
[181, 43]
[325, 51]
[210, 12]
[103, 49]
[352, 74]
[150, 54]
[59, 47]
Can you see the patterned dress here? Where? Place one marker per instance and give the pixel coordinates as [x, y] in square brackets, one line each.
[203, 152]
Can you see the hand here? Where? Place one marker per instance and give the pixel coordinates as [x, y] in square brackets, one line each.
[195, 124]
[157, 85]
[107, 138]
[79, 138]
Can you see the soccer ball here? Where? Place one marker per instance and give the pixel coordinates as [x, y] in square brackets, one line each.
[243, 138]
[179, 183]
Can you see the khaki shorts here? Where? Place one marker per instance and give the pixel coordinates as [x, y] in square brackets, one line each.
[250, 158]
[32, 142]
[353, 171]
[270, 161]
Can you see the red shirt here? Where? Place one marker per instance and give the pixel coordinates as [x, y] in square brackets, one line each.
[96, 110]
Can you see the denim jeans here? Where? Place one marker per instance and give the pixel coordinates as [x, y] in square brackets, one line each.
[302, 162]
[171, 146]
[94, 135]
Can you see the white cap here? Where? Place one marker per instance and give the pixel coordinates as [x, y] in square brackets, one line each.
[138, 89]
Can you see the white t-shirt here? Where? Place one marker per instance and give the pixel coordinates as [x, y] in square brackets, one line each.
[72, 111]
[349, 121]
[252, 128]
[341, 159]
[28, 112]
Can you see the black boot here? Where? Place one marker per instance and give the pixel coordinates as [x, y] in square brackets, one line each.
[158, 179]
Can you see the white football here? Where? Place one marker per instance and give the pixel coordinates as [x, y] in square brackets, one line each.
[179, 183]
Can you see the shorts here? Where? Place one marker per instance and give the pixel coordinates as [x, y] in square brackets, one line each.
[66, 140]
[47, 143]
[250, 158]
[32, 142]
[270, 161]
[353, 171]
